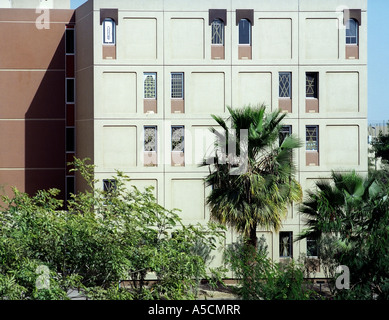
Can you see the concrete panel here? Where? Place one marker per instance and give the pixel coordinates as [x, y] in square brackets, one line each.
[119, 93]
[321, 38]
[137, 38]
[207, 93]
[187, 38]
[254, 88]
[275, 38]
[203, 141]
[341, 146]
[119, 146]
[189, 196]
[142, 184]
[331, 5]
[342, 92]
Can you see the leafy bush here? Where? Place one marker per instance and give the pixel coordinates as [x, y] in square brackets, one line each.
[260, 278]
[103, 238]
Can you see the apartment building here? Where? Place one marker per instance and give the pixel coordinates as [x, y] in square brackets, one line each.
[33, 67]
[150, 74]
[131, 84]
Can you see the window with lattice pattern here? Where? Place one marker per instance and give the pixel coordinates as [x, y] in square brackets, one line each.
[285, 84]
[150, 85]
[285, 131]
[177, 85]
[312, 138]
[218, 32]
[178, 138]
[150, 138]
[311, 85]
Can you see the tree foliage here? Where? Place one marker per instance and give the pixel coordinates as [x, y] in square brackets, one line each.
[260, 195]
[380, 146]
[260, 278]
[354, 211]
[105, 237]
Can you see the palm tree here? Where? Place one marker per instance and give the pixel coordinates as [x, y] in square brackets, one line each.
[337, 207]
[260, 195]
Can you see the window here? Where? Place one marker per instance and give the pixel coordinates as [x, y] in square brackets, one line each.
[150, 85]
[311, 85]
[285, 131]
[178, 138]
[70, 140]
[312, 138]
[285, 84]
[217, 32]
[69, 35]
[244, 31]
[352, 32]
[70, 187]
[312, 249]
[177, 85]
[70, 90]
[109, 31]
[109, 185]
[286, 242]
[150, 138]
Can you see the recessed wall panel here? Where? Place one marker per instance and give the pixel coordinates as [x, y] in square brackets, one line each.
[207, 93]
[119, 146]
[189, 196]
[341, 146]
[254, 88]
[342, 92]
[137, 39]
[119, 90]
[275, 38]
[187, 38]
[322, 39]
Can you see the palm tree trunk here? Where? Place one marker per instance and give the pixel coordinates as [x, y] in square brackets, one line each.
[253, 239]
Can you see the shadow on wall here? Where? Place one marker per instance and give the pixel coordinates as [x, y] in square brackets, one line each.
[32, 86]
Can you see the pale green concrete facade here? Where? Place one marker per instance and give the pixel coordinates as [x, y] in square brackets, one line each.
[166, 36]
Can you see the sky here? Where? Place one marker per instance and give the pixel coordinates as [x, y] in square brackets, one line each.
[378, 60]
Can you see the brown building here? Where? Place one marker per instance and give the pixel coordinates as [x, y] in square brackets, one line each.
[36, 110]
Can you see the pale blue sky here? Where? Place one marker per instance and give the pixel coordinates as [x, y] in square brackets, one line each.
[378, 59]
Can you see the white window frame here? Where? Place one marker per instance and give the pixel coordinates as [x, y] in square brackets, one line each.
[290, 243]
[156, 137]
[317, 138]
[221, 22]
[145, 75]
[113, 34]
[316, 93]
[290, 84]
[182, 85]
[283, 130]
[183, 138]
[356, 36]
[250, 28]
